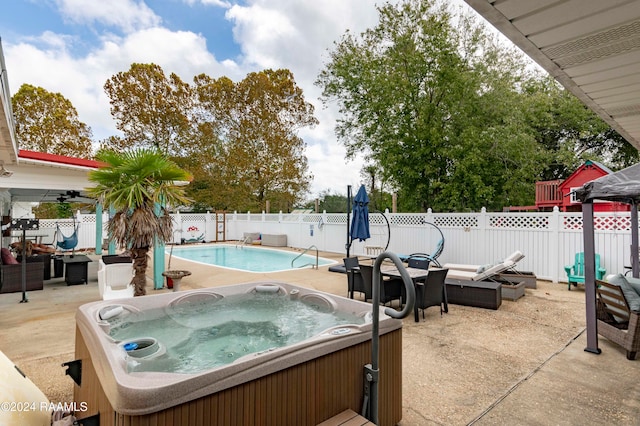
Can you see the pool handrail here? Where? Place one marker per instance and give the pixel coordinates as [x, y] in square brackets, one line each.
[243, 242]
[303, 253]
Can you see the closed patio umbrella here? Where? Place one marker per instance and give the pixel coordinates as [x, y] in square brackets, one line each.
[360, 219]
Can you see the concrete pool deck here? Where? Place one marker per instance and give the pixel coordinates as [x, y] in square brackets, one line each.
[522, 364]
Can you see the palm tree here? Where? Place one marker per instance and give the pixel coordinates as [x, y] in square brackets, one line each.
[138, 184]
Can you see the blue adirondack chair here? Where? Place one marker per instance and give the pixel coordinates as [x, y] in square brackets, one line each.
[575, 272]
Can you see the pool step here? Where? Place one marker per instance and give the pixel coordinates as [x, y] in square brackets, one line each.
[346, 418]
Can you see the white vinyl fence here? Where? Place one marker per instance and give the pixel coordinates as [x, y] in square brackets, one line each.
[549, 241]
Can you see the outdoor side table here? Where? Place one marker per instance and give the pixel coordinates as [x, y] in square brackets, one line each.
[76, 267]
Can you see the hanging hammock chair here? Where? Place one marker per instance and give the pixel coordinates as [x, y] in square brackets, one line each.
[67, 242]
[437, 252]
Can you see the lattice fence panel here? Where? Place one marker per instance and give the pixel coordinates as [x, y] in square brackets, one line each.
[519, 222]
[572, 222]
[194, 217]
[612, 223]
[600, 223]
[407, 220]
[455, 221]
[311, 218]
[377, 219]
[337, 218]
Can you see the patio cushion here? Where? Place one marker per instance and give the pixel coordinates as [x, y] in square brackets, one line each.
[7, 257]
[633, 298]
[483, 268]
[634, 282]
[516, 256]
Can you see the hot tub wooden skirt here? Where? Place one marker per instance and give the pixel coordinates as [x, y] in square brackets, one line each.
[304, 394]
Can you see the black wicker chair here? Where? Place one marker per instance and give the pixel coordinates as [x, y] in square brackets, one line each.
[11, 277]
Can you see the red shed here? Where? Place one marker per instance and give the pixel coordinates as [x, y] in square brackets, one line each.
[589, 171]
[552, 193]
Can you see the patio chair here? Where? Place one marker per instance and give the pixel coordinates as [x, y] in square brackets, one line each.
[433, 292]
[418, 262]
[389, 290]
[114, 279]
[575, 272]
[354, 278]
[11, 274]
[617, 321]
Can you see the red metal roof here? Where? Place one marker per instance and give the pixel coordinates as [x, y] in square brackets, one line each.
[60, 159]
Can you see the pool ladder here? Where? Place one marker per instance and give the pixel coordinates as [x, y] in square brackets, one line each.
[307, 264]
[243, 242]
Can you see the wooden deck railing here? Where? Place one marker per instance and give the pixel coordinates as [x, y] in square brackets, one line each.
[548, 193]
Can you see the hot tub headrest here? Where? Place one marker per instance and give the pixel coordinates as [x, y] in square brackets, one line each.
[268, 289]
[111, 312]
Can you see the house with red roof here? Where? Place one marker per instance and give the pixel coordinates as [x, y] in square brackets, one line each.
[560, 193]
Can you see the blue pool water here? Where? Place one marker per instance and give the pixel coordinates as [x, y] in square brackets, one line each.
[212, 333]
[251, 259]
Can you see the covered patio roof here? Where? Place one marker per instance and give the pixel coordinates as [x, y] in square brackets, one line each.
[49, 178]
[592, 47]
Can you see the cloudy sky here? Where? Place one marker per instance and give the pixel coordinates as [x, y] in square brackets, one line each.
[74, 46]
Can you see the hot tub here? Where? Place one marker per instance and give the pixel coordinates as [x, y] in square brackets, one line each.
[124, 378]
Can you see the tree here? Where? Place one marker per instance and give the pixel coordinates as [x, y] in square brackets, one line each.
[135, 183]
[250, 129]
[572, 133]
[150, 109]
[330, 202]
[425, 101]
[452, 118]
[48, 122]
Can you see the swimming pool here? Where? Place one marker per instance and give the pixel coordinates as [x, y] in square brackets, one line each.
[249, 259]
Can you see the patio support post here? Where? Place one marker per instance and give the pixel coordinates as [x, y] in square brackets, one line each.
[112, 243]
[635, 268]
[590, 277]
[158, 258]
[98, 227]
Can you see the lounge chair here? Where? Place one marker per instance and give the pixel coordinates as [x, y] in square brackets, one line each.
[575, 272]
[618, 311]
[514, 257]
[477, 289]
[484, 274]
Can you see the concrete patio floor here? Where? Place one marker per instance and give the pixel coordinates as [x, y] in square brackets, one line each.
[522, 364]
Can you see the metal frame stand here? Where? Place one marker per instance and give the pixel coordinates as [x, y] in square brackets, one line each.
[24, 225]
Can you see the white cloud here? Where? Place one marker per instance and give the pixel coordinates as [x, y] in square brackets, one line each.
[220, 3]
[127, 15]
[297, 35]
[81, 80]
[288, 34]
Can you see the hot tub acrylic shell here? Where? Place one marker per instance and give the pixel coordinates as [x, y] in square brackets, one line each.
[141, 393]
